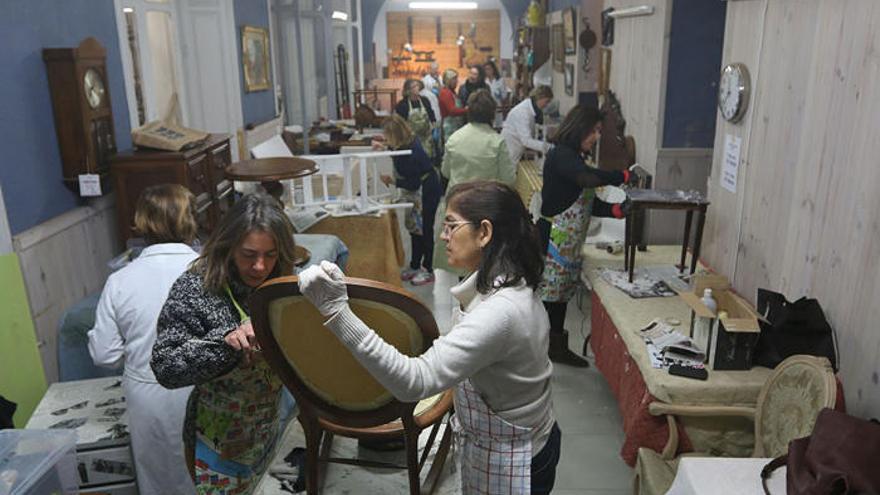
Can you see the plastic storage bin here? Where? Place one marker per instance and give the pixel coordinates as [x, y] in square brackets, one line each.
[39, 462]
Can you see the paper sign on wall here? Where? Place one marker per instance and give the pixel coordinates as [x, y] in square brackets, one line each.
[89, 185]
[732, 146]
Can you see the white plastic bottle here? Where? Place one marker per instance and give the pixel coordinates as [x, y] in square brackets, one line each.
[703, 325]
[709, 301]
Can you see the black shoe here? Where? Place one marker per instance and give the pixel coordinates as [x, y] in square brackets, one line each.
[560, 353]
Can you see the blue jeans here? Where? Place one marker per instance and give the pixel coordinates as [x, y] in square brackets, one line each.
[544, 463]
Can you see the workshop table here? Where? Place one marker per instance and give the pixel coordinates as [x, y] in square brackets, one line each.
[622, 357]
[374, 244]
[96, 410]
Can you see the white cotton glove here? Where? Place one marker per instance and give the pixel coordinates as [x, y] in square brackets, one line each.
[324, 286]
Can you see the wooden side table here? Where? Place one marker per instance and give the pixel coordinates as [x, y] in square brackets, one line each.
[658, 199]
[269, 171]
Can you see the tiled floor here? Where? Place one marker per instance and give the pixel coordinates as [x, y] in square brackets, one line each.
[586, 411]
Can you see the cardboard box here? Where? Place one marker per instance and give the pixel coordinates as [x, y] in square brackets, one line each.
[730, 342]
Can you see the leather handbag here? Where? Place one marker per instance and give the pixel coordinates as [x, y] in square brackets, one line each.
[840, 457]
[789, 328]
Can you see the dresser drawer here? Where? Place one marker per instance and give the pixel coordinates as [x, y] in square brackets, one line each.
[220, 159]
[198, 174]
[102, 466]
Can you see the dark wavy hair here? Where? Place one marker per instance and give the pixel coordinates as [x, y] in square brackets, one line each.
[513, 254]
[253, 212]
[577, 125]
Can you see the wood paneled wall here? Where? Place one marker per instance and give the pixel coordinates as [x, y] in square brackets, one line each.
[638, 73]
[805, 218]
[446, 53]
[64, 260]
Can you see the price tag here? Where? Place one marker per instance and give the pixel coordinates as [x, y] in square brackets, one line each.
[89, 185]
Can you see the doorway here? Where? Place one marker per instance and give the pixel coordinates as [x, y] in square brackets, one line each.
[180, 63]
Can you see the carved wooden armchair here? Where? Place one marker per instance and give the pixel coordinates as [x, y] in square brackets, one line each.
[334, 393]
[786, 409]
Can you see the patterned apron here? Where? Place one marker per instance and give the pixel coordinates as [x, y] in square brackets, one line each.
[562, 263]
[495, 455]
[236, 426]
[420, 124]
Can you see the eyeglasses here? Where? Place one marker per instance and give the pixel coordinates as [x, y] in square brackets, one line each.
[449, 228]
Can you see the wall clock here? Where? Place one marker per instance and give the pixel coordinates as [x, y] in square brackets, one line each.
[81, 104]
[733, 92]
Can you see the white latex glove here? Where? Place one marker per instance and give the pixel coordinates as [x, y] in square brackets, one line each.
[324, 287]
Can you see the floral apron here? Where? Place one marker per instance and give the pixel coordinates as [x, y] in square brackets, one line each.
[495, 455]
[562, 263]
[236, 426]
[420, 124]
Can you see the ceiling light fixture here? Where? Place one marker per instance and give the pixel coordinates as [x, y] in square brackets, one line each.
[339, 15]
[127, 10]
[444, 5]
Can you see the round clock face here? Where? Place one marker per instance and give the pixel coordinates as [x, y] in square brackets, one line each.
[733, 92]
[94, 88]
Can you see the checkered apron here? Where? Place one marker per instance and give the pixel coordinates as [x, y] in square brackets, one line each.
[495, 456]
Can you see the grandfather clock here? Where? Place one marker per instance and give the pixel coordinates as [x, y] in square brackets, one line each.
[81, 104]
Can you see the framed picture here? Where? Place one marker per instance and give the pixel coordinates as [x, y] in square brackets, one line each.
[569, 79]
[568, 28]
[557, 47]
[255, 58]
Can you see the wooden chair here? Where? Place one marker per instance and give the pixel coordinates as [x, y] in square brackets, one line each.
[786, 409]
[334, 393]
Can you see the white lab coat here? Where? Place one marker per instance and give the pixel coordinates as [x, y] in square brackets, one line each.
[519, 130]
[435, 104]
[430, 83]
[124, 333]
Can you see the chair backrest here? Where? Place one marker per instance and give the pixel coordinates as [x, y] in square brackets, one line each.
[790, 401]
[317, 368]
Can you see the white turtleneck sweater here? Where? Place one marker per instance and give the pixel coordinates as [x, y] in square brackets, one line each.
[500, 342]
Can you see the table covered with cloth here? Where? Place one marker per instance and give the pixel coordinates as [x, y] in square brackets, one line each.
[622, 358]
[74, 361]
[376, 250]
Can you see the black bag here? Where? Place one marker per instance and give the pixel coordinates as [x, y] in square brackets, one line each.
[790, 328]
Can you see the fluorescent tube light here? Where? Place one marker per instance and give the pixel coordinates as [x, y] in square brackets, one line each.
[632, 12]
[443, 5]
[127, 10]
[339, 15]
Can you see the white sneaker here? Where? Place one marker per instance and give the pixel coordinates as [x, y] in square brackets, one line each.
[407, 274]
[423, 278]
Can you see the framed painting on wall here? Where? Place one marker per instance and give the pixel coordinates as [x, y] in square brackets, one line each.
[255, 58]
[568, 28]
[557, 46]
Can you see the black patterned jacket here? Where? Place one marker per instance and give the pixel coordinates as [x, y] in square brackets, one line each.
[189, 347]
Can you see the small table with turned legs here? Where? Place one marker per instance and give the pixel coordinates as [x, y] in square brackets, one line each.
[645, 199]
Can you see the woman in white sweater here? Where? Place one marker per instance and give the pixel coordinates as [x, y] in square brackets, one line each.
[495, 355]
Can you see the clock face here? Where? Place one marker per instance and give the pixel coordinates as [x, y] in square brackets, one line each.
[94, 88]
[733, 92]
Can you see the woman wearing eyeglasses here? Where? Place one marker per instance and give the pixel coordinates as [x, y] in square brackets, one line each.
[495, 355]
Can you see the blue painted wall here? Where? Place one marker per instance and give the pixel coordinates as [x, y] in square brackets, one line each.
[31, 167]
[695, 44]
[258, 106]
